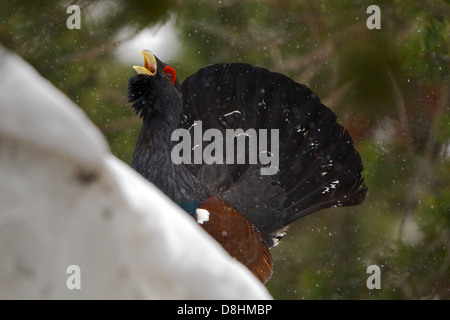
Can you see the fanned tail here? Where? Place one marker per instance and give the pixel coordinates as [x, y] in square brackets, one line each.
[318, 164]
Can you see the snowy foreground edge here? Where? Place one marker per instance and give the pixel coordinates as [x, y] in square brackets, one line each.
[65, 201]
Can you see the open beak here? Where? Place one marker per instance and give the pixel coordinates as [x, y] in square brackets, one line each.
[150, 66]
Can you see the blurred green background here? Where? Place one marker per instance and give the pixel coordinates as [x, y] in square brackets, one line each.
[389, 87]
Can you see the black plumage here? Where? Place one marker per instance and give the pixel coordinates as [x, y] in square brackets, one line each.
[319, 167]
[159, 102]
[318, 164]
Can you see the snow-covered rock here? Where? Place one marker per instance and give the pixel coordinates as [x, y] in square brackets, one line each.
[72, 214]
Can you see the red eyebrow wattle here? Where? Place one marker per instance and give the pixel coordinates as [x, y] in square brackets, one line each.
[171, 71]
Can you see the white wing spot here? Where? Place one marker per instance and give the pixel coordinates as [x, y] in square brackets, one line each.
[202, 215]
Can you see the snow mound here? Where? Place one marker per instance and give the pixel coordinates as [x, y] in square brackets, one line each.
[77, 223]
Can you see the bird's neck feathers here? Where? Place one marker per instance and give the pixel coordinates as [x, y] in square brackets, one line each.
[152, 159]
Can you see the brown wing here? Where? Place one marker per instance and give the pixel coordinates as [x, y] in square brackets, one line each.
[238, 236]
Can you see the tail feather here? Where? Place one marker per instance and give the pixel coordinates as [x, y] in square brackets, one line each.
[319, 167]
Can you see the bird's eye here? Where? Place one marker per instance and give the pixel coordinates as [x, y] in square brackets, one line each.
[170, 73]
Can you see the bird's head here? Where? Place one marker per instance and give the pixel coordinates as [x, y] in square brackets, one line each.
[154, 91]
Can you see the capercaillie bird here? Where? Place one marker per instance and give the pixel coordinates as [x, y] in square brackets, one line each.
[246, 211]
